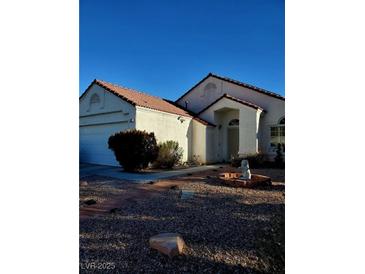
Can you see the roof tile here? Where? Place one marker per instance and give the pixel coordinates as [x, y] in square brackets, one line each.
[142, 99]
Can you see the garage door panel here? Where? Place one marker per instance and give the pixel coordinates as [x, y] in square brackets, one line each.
[94, 143]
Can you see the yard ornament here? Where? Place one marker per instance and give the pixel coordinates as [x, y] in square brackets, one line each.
[246, 173]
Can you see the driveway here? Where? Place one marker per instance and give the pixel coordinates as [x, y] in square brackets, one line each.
[118, 173]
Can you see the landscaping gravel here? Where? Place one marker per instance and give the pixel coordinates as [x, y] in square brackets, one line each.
[226, 230]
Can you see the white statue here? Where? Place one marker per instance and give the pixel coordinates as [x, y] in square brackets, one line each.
[246, 173]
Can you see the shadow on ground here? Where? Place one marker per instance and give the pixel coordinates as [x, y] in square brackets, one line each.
[224, 232]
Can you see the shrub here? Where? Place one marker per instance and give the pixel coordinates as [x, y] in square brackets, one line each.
[169, 154]
[134, 149]
[254, 160]
[279, 162]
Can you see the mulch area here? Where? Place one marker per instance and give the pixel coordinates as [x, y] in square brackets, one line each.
[226, 229]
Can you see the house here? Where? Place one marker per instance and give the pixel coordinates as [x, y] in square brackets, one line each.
[216, 119]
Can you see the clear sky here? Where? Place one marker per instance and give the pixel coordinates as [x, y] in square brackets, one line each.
[164, 47]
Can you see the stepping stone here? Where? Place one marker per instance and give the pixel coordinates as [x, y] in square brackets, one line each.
[186, 194]
[170, 244]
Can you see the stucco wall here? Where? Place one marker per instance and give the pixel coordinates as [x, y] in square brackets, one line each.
[166, 127]
[100, 118]
[199, 141]
[249, 124]
[109, 103]
[220, 114]
[205, 93]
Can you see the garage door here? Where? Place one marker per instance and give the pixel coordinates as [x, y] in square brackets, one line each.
[94, 143]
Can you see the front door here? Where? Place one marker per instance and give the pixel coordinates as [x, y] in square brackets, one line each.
[233, 142]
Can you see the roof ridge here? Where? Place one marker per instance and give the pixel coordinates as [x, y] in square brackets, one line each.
[230, 80]
[245, 84]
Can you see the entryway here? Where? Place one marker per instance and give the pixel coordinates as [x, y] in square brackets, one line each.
[232, 141]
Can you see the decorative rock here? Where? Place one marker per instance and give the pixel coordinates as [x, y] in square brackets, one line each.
[246, 173]
[115, 210]
[170, 244]
[83, 183]
[90, 202]
[186, 194]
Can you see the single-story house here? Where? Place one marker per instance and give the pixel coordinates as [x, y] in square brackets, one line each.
[215, 120]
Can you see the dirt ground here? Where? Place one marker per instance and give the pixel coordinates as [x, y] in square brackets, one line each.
[226, 230]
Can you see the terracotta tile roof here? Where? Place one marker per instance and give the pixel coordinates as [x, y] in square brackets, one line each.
[254, 88]
[246, 103]
[141, 99]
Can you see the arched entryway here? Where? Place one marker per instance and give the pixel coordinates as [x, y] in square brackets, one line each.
[233, 138]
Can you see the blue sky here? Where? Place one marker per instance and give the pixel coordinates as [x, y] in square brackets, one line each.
[164, 47]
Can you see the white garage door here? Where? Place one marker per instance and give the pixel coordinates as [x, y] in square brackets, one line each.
[94, 143]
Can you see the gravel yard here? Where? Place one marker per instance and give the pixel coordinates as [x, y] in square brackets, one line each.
[226, 230]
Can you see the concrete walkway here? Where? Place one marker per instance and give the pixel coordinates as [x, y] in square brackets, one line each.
[118, 173]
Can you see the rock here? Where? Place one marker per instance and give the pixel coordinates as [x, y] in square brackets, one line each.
[175, 187]
[170, 244]
[90, 202]
[115, 210]
[83, 183]
[189, 174]
[151, 182]
[186, 194]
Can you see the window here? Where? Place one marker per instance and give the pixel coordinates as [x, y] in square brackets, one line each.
[278, 135]
[234, 122]
[209, 90]
[95, 99]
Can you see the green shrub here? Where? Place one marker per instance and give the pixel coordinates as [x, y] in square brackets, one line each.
[254, 160]
[169, 154]
[134, 149]
[279, 162]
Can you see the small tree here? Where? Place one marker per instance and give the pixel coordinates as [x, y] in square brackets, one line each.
[169, 154]
[279, 156]
[134, 149]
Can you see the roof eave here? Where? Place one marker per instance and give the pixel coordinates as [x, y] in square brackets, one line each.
[232, 99]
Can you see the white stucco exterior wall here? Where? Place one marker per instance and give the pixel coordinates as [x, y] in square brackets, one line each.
[100, 118]
[202, 96]
[248, 130]
[166, 127]
[220, 114]
[199, 141]
[109, 103]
